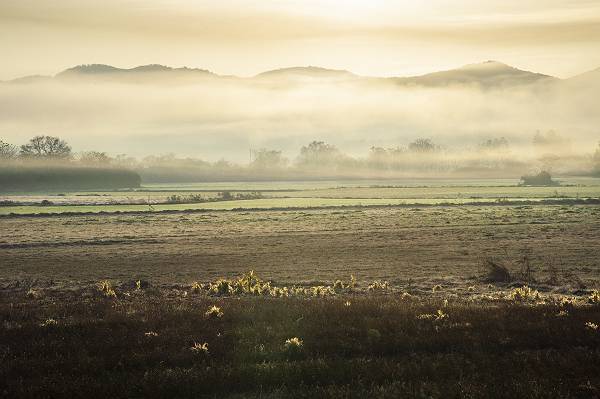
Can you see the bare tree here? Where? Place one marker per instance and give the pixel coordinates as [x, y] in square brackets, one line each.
[94, 158]
[46, 147]
[422, 145]
[318, 153]
[7, 151]
[268, 159]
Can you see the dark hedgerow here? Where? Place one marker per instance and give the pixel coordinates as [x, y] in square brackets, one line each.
[49, 177]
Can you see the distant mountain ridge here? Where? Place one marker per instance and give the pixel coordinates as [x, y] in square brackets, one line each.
[489, 73]
[142, 71]
[91, 69]
[486, 74]
[309, 71]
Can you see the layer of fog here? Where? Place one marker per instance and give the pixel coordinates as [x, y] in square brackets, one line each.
[221, 118]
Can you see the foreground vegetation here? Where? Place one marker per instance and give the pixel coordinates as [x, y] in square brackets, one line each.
[135, 340]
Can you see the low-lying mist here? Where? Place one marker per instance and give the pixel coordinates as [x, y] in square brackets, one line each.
[370, 121]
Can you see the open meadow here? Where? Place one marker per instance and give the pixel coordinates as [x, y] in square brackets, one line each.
[297, 194]
[418, 246]
[424, 291]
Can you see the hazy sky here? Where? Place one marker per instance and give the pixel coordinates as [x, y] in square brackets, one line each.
[243, 37]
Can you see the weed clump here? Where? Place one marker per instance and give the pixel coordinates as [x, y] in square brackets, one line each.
[196, 287]
[250, 284]
[293, 343]
[440, 315]
[49, 323]
[106, 289]
[293, 348]
[378, 286]
[524, 294]
[200, 349]
[214, 312]
[592, 326]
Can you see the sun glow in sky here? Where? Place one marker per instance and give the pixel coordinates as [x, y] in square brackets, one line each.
[244, 37]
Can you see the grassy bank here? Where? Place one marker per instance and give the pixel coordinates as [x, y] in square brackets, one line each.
[138, 341]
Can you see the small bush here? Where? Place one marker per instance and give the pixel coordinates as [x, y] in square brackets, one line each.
[541, 179]
[197, 287]
[496, 272]
[293, 347]
[378, 286]
[105, 287]
[524, 293]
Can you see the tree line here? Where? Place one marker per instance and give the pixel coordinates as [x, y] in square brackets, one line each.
[48, 163]
[320, 159]
[50, 148]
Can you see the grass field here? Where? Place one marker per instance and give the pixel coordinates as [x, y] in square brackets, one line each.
[266, 203]
[389, 301]
[423, 245]
[145, 342]
[298, 195]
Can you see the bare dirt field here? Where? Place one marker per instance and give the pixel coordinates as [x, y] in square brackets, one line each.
[413, 248]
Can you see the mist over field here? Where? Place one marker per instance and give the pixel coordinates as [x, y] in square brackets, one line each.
[194, 113]
[300, 199]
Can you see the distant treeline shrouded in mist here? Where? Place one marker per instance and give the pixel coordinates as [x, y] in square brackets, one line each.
[47, 162]
[194, 113]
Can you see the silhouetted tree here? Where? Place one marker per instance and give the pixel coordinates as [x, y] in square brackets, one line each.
[94, 158]
[268, 159]
[46, 147]
[125, 161]
[384, 158]
[494, 144]
[318, 153]
[541, 179]
[7, 151]
[422, 145]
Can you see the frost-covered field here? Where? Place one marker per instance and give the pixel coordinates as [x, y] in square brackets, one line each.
[296, 195]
